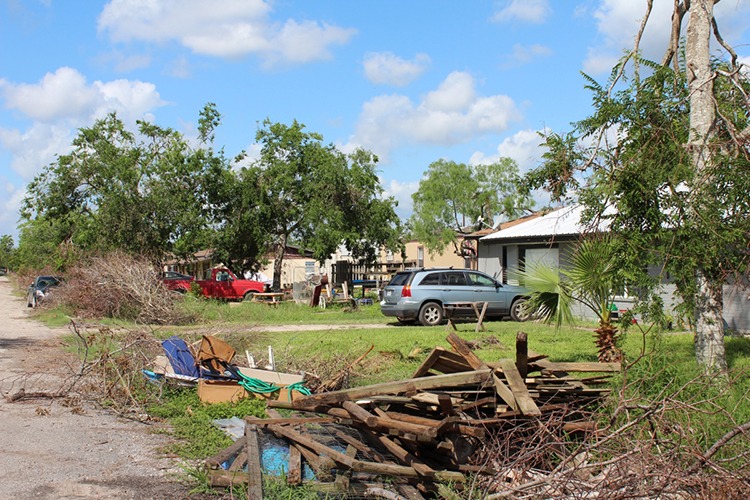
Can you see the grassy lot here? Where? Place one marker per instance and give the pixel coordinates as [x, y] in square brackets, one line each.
[665, 375]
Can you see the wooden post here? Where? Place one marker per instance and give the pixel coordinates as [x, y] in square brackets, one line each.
[522, 354]
[480, 316]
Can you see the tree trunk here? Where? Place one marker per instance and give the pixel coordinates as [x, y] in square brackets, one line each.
[709, 325]
[278, 263]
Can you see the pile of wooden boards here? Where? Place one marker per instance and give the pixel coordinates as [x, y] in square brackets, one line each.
[419, 431]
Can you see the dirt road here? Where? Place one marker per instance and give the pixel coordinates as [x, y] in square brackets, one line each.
[55, 449]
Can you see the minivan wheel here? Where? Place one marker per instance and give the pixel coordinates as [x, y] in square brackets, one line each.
[518, 310]
[431, 314]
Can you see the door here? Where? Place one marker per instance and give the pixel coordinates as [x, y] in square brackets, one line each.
[454, 287]
[485, 289]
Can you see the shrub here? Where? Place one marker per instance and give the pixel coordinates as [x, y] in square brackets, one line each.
[120, 286]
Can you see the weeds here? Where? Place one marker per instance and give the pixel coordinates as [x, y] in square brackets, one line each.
[118, 286]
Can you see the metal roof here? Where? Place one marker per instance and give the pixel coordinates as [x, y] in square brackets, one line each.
[565, 221]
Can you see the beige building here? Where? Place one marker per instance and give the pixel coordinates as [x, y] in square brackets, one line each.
[417, 255]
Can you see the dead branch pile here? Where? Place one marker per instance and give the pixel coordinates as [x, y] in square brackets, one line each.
[119, 286]
[431, 428]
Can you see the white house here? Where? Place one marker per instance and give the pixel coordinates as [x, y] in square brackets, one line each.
[552, 236]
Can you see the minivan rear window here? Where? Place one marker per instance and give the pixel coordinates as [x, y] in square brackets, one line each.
[400, 279]
[431, 279]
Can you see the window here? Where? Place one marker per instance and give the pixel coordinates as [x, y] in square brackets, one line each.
[480, 280]
[455, 278]
[431, 279]
[400, 279]
[420, 256]
[389, 256]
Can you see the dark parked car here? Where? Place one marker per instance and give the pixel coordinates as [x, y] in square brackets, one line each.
[175, 281]
[419, 295]
[40, 288]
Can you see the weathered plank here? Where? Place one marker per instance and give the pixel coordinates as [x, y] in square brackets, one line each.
[522, 353]
[294, 470]
[398, 387]
[526, 405]
[254, 473]
[215, 461]
[502, 390]
[359, 465]
[288, 420]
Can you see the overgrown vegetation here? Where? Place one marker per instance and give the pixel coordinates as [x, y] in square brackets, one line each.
[667, 429]
[118, 286]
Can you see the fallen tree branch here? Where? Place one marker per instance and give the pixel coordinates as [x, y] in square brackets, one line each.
[740, 429]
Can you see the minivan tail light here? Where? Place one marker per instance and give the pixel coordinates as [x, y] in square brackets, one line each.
[406, 291]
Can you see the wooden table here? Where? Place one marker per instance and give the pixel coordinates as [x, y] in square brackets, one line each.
[272, 299]
[451, 308]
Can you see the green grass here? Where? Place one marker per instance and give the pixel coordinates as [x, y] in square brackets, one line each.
[191, 421]
[286, 313]
[711, 406]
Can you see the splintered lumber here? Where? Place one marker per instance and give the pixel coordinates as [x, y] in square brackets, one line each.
[227, 479]
[254, 473]
[288, 420]
[441, 426]
[359, 446]
[398, 387]
[396, 427]
[502, 390]
[578, 367]
[365, 490]
[294, 472]
[522, 354]
[224, 455]
[404, 456]
[521, 393]
[319, 464]
[433, 399]
[359, 465]
[442, 361]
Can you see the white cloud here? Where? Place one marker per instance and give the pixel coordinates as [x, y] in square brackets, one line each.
[389, 69]
[523, 54]
[65, 96]
[618, 22]
[60, 94]
[35, 148]
[221, 28]
[532, 11]
[9, 209]
[451, 114]
[525, 147]
[60, 103]
[401, 192]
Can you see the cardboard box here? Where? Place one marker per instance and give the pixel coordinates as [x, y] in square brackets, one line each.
[220, 391]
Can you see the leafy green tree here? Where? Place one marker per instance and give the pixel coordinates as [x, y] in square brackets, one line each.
[143, 193]
[44, 243]
[669, 150]
[7, 251]
[313, 195]
[454, 196]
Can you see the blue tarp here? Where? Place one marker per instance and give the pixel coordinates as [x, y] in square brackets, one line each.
[180, 357]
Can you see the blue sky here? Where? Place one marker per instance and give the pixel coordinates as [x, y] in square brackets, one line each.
[411, 80]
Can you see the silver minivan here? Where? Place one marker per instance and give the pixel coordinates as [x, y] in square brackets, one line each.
[420, 294]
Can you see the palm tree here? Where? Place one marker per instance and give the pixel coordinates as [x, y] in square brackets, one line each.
[592, 279]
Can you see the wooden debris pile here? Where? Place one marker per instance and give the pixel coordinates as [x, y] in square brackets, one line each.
[420, 431]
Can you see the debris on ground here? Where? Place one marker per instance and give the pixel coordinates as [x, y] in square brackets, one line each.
[209, 366]
[420, 432]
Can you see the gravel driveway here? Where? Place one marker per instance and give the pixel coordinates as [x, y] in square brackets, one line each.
[52, 449]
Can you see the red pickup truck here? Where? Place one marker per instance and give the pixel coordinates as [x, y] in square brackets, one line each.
[222, 285]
